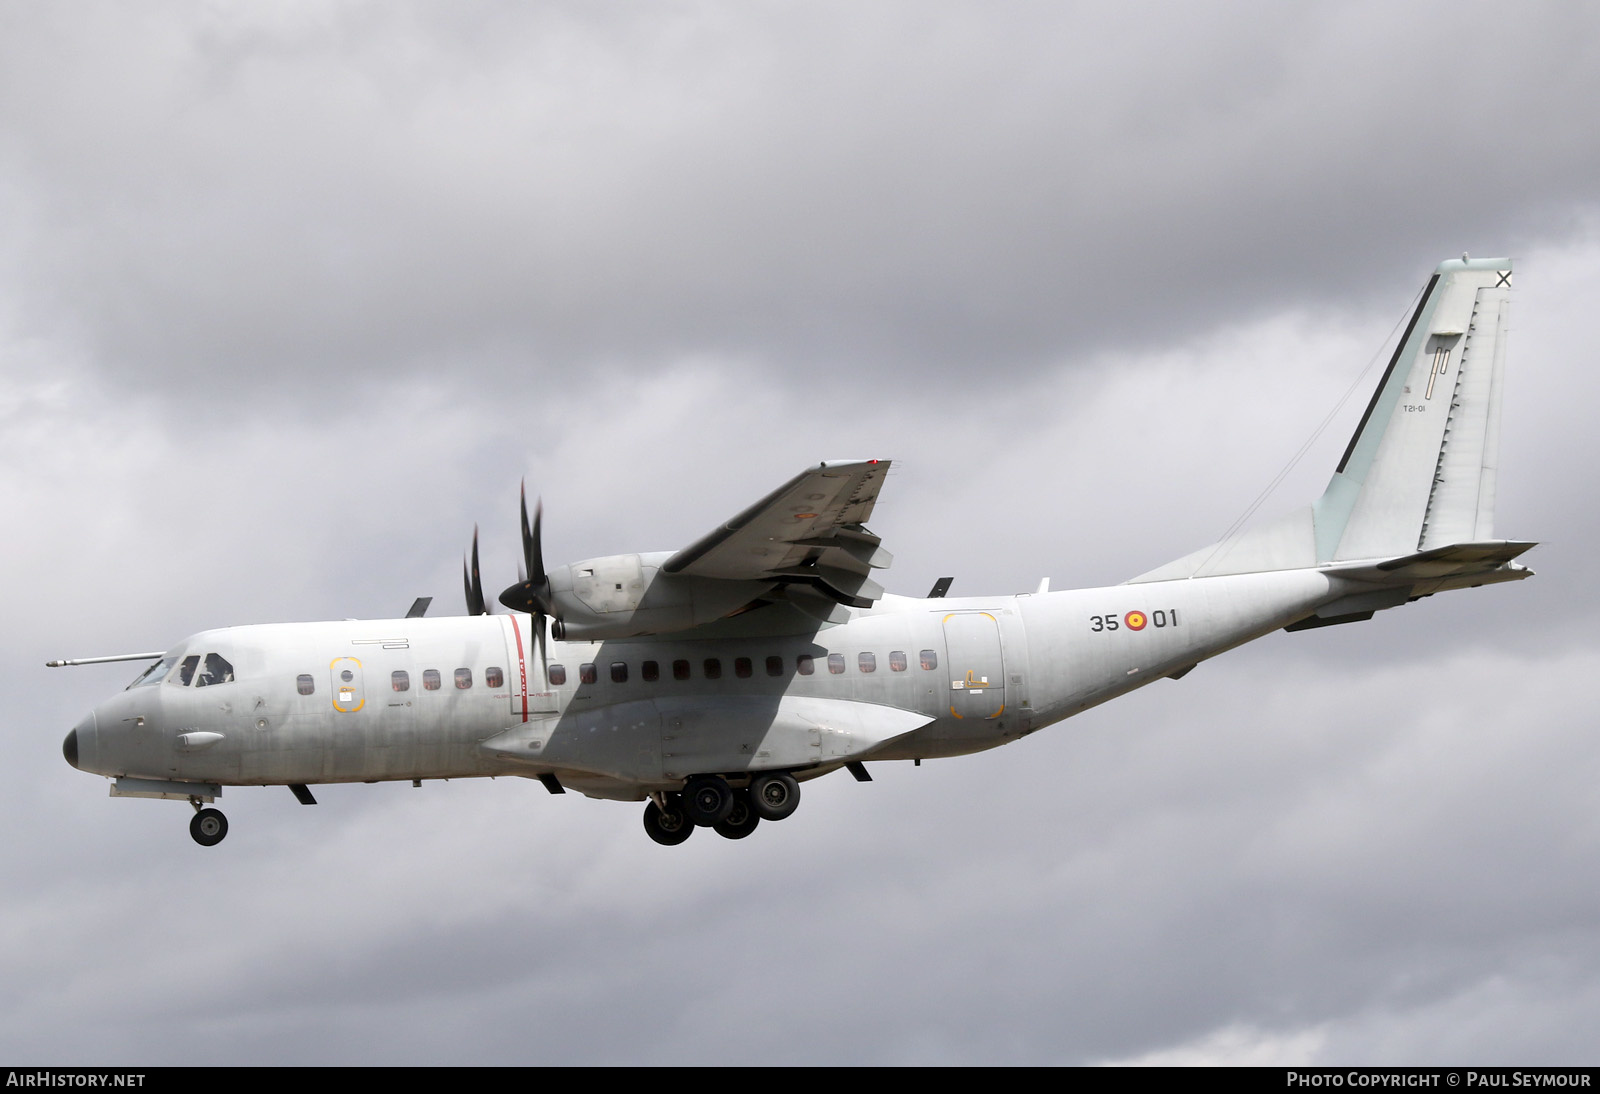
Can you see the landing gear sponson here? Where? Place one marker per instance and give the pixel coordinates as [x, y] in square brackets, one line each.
[707, 801]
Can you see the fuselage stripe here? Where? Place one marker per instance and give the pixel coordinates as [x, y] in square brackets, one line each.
[522, 666]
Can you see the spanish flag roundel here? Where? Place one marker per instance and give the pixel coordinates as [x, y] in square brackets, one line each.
[1135, 621]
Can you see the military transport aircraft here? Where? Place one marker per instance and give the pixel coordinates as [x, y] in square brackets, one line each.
[711, 682]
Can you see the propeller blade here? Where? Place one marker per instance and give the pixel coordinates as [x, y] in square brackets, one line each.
[536, 560]
[544, 661]
[473, 580]
[527, 533]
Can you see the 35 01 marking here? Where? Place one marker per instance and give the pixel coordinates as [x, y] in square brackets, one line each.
[1135, 620]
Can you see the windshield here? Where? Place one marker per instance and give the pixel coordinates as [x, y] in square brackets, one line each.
[151, 675]
[193, 671]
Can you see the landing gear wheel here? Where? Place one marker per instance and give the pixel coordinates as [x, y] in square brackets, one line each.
[774, 796]
[742, 821]
[208, 827]
[708, 799]
[668, 826]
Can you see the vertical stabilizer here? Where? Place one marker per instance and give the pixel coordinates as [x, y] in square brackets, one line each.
[1420, 471]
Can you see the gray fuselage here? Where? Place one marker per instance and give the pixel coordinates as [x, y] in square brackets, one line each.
[466, 696]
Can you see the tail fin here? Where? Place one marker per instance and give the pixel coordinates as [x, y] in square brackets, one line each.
[1419, 474]
[1420, 471]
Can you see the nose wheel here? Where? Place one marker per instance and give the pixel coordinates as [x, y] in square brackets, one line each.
[208, 827]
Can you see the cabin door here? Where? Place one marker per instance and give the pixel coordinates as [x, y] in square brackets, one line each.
[976, 663]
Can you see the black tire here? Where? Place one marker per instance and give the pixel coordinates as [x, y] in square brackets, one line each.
[742, 820]
[668, 828]
[708, 799]
[208, 827]
[774, 796]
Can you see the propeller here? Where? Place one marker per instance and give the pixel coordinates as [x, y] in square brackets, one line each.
[532, 594]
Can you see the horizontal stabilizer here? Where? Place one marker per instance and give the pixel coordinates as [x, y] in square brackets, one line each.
[1456, 560]
[1389, 583]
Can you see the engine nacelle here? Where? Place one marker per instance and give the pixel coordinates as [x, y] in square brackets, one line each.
[625, 596]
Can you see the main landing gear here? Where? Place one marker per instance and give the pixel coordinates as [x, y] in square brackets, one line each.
[707, 801]
[208, 827]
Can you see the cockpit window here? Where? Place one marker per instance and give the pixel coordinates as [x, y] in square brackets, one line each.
[183, 675]
[152, 675]
[217, 670]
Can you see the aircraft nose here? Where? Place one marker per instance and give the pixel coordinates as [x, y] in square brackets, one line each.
[69, 747]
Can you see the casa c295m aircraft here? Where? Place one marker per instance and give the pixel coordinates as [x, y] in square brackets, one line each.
[710, 682]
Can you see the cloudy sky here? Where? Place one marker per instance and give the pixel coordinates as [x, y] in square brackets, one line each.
[292, 294]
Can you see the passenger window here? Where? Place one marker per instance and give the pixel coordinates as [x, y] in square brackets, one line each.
[216, 671]
[619, 672]
[836, 663]
[867, 662]
[774, 666]
[185, 671]
[713, 668]
[463, 679]
[930, 660]
[430, 679]
[742, 668]
[305, 684]
[493, 678]
[805, 665]
[897, 660]
[650, 671]
[558, 675]
[400, 680]
[680, 670]
[587, 673]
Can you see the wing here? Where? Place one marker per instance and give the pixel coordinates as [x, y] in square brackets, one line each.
[808, 535]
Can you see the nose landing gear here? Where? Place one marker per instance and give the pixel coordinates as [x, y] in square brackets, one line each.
[208, 827]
